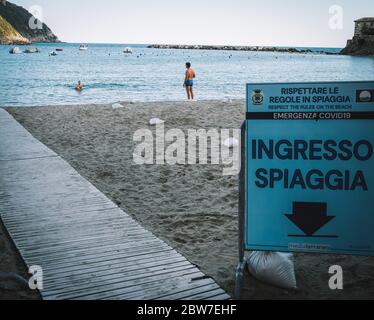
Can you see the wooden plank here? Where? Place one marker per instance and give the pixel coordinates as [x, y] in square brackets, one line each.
[136, 266]
[203, 295]
[109, 283]
[87, 246]
[82, 268]
[196, 287]
[223, 296]
[155, 290]
[140, 289]
[17, 143]
[41, 240]
[106, 246]
[88, 254]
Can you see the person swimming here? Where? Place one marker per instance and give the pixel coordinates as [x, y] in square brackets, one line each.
[79, 86]
[188, 81]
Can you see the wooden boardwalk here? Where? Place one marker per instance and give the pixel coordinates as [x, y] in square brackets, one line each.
[87, 246]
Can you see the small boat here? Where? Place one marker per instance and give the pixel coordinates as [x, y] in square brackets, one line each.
[32, 50]
[127, 50]
[15, 50]
[83, 47]
[53, 53]
[59, 49]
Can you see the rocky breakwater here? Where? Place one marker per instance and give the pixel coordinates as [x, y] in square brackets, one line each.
[237, 48]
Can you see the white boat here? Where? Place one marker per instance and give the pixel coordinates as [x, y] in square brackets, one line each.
[15, 50]
[127, 50]
[32, 50]
[83, 47]
[53, 53]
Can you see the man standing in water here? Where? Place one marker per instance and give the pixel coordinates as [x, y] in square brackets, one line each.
[188, 81]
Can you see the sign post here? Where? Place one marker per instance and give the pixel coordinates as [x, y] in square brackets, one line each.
[308, 169]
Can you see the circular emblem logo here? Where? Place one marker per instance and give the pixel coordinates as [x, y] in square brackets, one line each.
[365, 96]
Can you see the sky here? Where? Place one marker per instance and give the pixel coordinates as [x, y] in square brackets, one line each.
[213, 22]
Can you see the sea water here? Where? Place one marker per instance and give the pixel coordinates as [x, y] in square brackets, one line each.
[109, 75]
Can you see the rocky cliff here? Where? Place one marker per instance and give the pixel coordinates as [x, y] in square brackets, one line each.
[360, 46]
[363, 39]
[9, 35]
[18, 18]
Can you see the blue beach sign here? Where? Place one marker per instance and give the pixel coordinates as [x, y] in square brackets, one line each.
[309, 168]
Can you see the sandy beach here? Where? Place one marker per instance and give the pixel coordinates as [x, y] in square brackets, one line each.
[192, 207]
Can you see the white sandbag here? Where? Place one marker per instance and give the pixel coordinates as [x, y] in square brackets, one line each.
[231, 142]
[117, 106]
[155, 121]
[274, 268]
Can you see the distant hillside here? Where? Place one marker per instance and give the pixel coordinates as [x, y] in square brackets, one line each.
[18, 18]
[10, 35]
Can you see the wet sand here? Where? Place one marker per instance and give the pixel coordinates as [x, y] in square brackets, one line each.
[191, 207]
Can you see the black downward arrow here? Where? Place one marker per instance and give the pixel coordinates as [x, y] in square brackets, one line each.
[310, 217]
